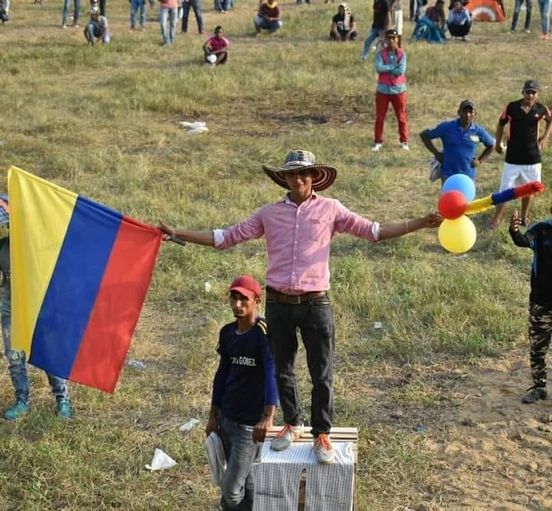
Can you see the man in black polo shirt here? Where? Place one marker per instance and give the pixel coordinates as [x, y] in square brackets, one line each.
[523, 155]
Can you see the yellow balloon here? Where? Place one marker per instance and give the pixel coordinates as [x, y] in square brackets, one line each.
[458, 235]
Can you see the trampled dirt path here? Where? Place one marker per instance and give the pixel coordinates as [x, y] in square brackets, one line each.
[490, 450]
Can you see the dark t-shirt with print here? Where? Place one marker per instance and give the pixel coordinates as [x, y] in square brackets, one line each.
[338, 19]
[523, 133]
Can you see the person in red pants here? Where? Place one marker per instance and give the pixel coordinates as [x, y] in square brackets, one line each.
[390, 65]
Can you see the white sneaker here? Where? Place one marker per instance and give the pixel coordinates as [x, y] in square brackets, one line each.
[404, 146]
[466, 38]
[286, 437]
[323, 449]
[377, 147]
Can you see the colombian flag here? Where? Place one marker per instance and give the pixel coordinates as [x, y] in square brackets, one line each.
[80, 272]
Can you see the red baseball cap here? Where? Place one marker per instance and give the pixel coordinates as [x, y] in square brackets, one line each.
[247, 286]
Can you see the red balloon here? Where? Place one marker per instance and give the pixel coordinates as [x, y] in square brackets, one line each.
[452, 204]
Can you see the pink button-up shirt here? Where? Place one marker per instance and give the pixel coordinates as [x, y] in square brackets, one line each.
[298, 240]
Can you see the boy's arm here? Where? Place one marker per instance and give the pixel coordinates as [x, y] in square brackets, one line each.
[518, 238]
[219, 385]
[266, 423]
[212, 422]
[271, 394]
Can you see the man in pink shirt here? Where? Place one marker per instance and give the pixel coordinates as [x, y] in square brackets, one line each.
[298, 231]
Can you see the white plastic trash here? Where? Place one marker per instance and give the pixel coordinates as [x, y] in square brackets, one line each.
[160, 461]
[188, 426]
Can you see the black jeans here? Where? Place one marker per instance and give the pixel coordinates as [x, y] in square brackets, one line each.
[314, 319]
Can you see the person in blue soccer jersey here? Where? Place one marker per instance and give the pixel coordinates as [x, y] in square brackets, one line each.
[244, 393]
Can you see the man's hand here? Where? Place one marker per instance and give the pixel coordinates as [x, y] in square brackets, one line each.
[259, 431]
[431, 221]
[543, 142]
[439, 157]
[166, 230]
[498, 147]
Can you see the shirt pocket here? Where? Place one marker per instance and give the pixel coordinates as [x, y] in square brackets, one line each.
[319, 230]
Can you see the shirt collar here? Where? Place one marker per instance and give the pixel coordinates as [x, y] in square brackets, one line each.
[287, 199]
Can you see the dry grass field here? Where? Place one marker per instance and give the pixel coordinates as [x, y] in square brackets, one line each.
[435, 392]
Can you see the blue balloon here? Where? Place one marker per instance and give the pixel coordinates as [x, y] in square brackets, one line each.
[460, 183]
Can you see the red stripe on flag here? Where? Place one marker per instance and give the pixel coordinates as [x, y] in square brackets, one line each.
[125, 282]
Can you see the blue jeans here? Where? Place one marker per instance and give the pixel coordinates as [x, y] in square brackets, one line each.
[137, 6]
[196, 6]
[264, 24]
[93, 33]
[240, 451]
[314, 319]
[517, 9]
[416, 10]
[544, 7]
[370, 38]
[170, 14]
[223, 5]
[76, 9]
[17, 364]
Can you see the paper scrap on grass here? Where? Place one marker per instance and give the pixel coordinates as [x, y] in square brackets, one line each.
[160, 461]
[80, 273]
[194, 126]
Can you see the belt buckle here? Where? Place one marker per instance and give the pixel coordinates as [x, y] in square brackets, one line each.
[297, 300]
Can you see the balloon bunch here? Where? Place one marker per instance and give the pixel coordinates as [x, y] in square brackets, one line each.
[457, 233]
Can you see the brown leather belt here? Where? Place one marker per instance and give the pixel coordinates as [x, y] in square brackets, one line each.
[276, 296]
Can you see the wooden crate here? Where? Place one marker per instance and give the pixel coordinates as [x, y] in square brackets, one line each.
[337, 435]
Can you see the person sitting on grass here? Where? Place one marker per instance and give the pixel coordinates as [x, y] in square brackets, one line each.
[216, 48]
[431, 26]
[343, 24]
[459, 21]
[539, 239]
[244, 393]
[17, 364]
[268, 17]
[96, 28]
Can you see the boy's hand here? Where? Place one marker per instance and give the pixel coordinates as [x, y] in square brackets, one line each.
[515, 222]
[212, 426]
[259, 431]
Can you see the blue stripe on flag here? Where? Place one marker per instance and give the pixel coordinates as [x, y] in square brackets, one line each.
[72, 290]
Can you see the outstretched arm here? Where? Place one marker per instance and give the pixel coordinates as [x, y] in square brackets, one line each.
[197, 237]
[397, 229]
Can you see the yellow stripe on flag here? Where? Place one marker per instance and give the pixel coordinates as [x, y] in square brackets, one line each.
[40, 213]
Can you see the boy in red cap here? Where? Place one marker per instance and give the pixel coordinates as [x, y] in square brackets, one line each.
[244, 392]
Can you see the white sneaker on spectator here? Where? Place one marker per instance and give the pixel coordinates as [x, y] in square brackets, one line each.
[323, 449]
[286, 437]
[377, 146]
[404, 146]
